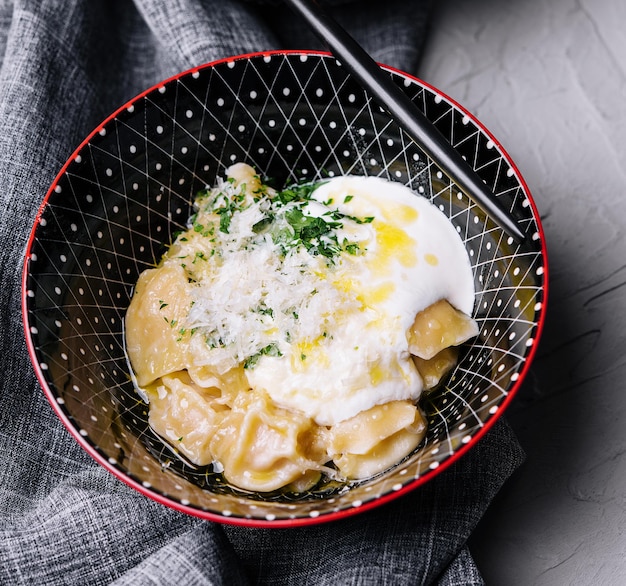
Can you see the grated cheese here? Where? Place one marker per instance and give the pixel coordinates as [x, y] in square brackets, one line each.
[253, 297]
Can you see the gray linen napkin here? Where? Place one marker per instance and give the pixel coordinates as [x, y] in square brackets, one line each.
[65, 65]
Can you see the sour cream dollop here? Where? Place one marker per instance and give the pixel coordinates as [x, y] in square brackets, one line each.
[409, 256]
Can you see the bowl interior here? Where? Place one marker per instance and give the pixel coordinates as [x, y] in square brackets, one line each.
[295, 117]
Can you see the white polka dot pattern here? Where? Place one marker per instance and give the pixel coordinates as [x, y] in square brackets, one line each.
[128, 189]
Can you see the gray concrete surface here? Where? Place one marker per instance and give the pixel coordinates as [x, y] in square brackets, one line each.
[548, 78]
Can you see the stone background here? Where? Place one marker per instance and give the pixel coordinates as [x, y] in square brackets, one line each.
[548, 78]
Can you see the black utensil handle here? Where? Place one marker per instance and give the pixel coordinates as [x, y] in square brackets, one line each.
[359, 63]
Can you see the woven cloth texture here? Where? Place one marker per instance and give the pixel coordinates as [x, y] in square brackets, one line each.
[64, 66]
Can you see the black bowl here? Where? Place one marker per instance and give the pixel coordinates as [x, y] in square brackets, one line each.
[295, 117]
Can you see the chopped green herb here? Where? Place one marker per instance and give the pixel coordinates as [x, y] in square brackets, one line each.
[297, 192]
[269, 350]
[225, 218]
[263, 224]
